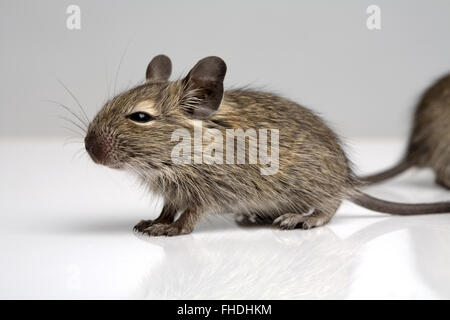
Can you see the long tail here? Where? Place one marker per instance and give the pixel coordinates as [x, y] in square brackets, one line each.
[389, 173]
[397, 208]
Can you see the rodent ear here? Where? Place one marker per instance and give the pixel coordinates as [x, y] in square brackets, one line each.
[159, 69]
[204, 87]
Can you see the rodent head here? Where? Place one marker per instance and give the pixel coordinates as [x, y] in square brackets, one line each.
[133, 130]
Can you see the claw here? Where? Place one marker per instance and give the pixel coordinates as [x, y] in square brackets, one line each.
[160, 229]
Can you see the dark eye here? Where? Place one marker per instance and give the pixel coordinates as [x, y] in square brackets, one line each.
[140, 117]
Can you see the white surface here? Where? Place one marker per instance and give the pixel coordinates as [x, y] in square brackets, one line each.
[66, 225]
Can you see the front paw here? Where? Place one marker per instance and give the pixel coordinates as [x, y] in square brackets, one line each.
[144, 224]
[160, 229]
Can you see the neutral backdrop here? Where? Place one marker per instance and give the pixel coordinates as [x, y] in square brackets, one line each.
[66, 223]
[319, 53]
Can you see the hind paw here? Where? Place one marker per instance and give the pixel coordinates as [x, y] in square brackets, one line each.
[253, 220]
[291, 221]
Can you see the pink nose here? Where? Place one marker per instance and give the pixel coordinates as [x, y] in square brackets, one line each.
[96, 148]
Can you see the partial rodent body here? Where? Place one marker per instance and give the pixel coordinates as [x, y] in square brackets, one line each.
[429, 143]
[134, 131]
[313, 169]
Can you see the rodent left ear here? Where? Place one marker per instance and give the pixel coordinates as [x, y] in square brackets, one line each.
[159, 69]
[204, 86]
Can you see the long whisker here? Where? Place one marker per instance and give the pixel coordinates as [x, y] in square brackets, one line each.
[73, 139]
[74, 123]
[120, 64]
[82, 121]
[135, 170]
[82, 154]
[77, 153]
[71, 143]
[76, 100]
[77, 133]
[108, 86]
[76, 136]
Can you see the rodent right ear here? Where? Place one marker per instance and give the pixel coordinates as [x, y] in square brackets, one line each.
[204, 85]
[159, 69]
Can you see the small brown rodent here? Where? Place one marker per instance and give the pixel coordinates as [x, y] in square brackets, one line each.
[429, 143]
[133, 131]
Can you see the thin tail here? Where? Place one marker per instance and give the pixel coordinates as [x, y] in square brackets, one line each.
[389, 173]
[397, 208]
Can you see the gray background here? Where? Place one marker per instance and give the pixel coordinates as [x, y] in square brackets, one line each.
[318, 53]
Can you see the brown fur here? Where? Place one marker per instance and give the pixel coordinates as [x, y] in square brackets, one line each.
[314, 174]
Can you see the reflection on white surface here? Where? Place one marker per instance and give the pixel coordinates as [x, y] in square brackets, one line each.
[66, 233]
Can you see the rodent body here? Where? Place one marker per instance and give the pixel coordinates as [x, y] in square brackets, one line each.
[313, 171]
[133, 131]
[429, 143]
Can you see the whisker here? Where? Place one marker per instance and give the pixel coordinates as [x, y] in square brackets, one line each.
[82, 121]
[137, 172]
[120, 64]
[75, 98]
[77, 154]
[73, 138]
[108, 86]
[74, 123]
[77, 133]
[81, 155]
[72, 142]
